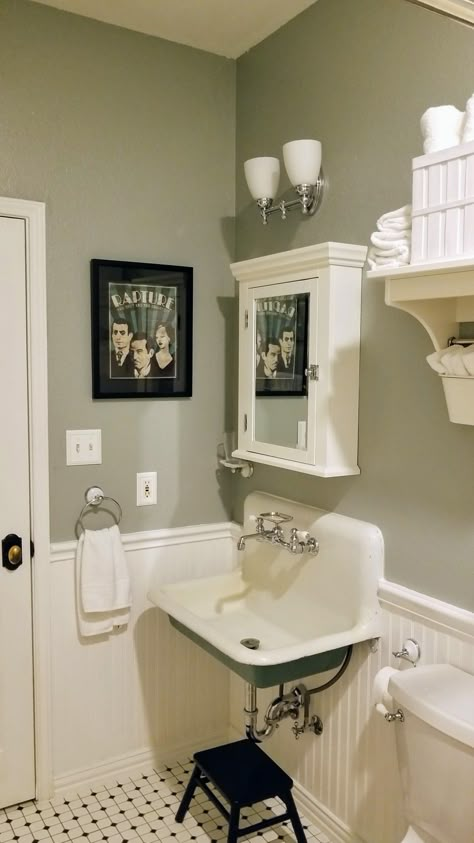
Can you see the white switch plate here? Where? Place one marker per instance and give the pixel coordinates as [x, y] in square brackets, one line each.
[146, 488]
[83, 447]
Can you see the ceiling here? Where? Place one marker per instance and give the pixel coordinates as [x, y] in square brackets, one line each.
[225, 27]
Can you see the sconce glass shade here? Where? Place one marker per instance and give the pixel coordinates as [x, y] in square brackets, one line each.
[263, 177]
[302, 161]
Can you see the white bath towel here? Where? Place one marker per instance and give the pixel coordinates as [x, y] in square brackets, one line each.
[441, 127]
[452, 358]
[468, 359]
[434, 359]
[103, 583]
[468, 125]
[386, 239]
[395, 220]
[399, 251]
[375, 262]
[398, 255]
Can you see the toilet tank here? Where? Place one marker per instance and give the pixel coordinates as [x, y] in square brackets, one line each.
[435, 746]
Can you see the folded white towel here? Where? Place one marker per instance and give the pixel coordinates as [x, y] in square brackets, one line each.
[441, 127]
[401, 251]
[398, 219]
[468, 126]
[103, 584]
[385, 239]
[378, 261]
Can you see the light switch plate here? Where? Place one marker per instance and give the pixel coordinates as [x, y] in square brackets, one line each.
[83, 447]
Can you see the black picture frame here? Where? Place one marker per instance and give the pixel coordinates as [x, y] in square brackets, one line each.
[277, 317]
[142, 329]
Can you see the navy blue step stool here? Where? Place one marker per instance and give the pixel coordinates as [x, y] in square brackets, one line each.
[243, 774]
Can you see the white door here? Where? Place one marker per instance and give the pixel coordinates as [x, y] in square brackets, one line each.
[17, 760]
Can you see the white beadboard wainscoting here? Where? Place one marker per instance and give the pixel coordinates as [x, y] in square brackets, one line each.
[145, 693]
[346, 780]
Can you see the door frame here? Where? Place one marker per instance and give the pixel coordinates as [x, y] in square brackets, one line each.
[34, 215]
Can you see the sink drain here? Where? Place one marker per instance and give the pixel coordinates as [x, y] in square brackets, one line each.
[251, 643]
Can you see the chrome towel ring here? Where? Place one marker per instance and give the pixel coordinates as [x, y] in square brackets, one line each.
[94, 497]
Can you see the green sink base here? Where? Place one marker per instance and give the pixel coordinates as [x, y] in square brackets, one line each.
[267, 676]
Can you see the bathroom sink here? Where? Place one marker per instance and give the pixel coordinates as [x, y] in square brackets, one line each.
[303, 610]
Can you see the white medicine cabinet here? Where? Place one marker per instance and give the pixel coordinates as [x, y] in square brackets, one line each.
[299, 337]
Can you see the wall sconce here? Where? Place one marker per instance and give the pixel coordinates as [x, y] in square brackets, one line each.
[303, 164]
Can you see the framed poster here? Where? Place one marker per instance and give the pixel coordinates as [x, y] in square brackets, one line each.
[141, 329]
[281, 336]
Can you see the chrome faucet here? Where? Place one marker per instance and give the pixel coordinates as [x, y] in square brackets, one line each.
[299, 541]
[261, 534]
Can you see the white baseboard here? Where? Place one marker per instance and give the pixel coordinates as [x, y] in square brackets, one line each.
[320, 816]
[131, 764]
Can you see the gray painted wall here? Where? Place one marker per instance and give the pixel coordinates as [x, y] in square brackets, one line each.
[358, 76]
[129, 140]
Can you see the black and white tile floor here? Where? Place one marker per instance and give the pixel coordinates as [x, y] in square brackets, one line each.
[140, 809]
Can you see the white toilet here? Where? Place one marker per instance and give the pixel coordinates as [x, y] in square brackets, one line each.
[435, 747]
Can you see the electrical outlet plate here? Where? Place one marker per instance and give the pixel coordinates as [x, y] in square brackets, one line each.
[83, 447]
[146, 488]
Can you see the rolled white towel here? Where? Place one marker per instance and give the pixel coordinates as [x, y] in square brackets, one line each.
[398, 219]
[452, 359]
[441, 127]
[468, 358]
[468, 126]
[435, 362]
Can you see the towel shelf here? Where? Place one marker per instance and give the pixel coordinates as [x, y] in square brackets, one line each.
[440, 295]
[94, 498]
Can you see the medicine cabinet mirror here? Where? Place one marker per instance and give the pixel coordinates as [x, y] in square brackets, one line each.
[299, 358]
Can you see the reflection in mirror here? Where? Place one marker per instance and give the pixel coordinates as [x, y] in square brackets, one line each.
[281, 326]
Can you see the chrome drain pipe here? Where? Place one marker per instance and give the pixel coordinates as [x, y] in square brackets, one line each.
[251, 716]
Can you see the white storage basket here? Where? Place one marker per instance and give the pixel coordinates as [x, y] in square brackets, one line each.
[443, 204]
[459, 394]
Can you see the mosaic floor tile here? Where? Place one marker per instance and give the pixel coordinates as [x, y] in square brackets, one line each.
[137, 809]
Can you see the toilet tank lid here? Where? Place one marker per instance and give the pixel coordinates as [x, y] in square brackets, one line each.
[439, 694]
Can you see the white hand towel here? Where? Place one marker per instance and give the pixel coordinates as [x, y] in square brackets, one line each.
[441, 127]
[468, 358]
[377, 261]
[398, 219]
[400, 252]
[468, 127]
[435, 362]
[103, 583]
[385, 239]
[452, 358]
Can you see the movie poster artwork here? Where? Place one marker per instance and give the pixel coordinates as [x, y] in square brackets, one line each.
[142, 329]
[281, 345]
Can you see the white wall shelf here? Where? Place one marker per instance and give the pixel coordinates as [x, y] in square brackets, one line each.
[439, 295]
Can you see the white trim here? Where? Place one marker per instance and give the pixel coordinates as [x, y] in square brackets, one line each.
[322, 818]
[34, 215]
[131, 763]
[457, 9]
[65, 551]
[427, 609]
[295, 264]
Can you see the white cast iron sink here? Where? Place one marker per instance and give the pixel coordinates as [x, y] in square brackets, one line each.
[304, 610]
